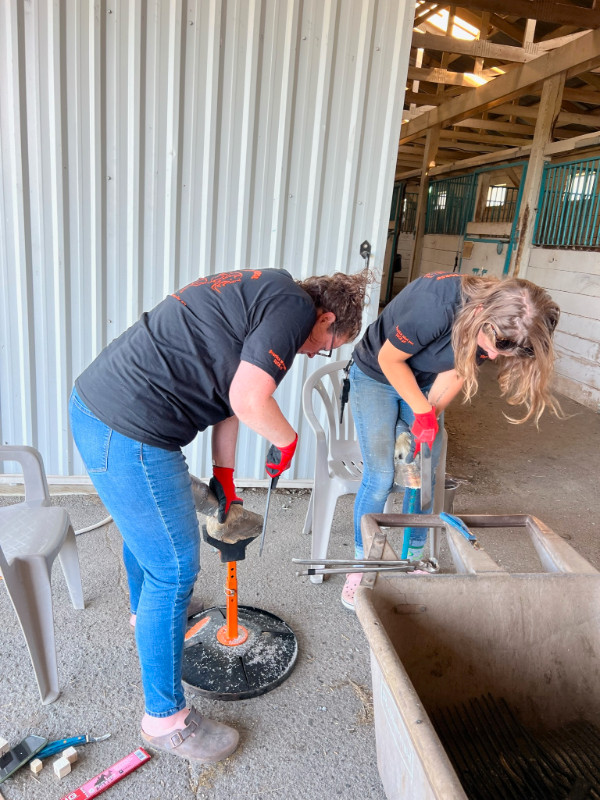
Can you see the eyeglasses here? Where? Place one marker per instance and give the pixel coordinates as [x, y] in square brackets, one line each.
[328, 353]
[505, 345]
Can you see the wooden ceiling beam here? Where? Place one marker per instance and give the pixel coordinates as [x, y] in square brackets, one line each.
[431, 9]
[496, 125]
[564, 118]
[582, 95]
[590, 78]
[576, 143]
[477, 47]
[543, 11]
[443, 76]
[581, 54]
[513, 31]
[512, 154]
[502, 141]
[563, 30]
[559, 41]
[423, 98]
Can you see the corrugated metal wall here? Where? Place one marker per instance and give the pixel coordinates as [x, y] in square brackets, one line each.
[144, 144]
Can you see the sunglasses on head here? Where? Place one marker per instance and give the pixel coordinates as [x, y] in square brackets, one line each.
[504, 345]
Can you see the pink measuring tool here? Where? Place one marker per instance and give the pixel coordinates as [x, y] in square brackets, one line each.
[113, 774]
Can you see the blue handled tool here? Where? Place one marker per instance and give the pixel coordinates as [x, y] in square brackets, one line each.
[73, 741]
[459, 525]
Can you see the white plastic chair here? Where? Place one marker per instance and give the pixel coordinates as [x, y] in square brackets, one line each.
[32, 534]
[338, 460]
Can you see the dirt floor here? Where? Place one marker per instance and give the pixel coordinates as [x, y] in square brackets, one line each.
[551, 473]
[313, 736]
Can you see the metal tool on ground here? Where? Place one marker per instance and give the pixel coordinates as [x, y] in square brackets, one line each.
[100, 783]
[20, 754]
[59, 745]
[272, 484]
[333, 566]
[426, 488]
[236, 652]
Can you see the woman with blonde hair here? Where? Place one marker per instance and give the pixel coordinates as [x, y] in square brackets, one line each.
[427, 345]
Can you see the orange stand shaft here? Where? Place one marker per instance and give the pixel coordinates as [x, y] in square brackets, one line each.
[231, 633]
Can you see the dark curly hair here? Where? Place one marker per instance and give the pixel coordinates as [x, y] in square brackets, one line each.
[342, 294]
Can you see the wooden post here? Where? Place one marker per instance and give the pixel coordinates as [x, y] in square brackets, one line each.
[431, 146]
[483, 184]
[549, 111]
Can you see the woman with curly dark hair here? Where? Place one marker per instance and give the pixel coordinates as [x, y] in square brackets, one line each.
[426, 346]
[210, 354]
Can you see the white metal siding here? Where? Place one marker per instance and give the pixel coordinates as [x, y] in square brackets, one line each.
[573, 280]
[143, 144]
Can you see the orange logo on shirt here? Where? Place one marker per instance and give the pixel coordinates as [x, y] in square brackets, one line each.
[217, 282]
[278, 361]
[404, 339]
[224, 279]
[439, 276]
[256, 275]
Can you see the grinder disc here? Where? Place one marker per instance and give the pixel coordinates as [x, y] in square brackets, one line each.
[254, 667]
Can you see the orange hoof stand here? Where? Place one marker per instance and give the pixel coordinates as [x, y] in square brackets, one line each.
[232, 634]
[236, 652]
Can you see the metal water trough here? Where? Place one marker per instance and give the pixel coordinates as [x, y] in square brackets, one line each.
[453, 654]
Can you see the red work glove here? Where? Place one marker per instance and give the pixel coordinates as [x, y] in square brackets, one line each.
[224, 489]
[424, 429]
[280, 458]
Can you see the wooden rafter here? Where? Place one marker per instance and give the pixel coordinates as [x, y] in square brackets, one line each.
[581, 55]
[496, 125]
[431, 9]
[559, 13]
[515, 32]
[475, 47]
[496, 122]
[464, 136]
[443, 76]
[564, 118]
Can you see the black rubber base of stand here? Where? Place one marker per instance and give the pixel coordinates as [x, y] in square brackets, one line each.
[250, 669]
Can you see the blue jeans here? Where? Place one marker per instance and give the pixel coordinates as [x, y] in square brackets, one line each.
[148, 493]
[380, 414]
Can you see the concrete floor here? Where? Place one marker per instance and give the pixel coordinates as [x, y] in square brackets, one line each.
[312, 737]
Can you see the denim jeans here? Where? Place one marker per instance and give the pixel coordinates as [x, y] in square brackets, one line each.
[148, 493]
[380, 414]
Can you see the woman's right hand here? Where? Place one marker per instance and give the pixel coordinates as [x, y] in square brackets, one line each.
[424, 429]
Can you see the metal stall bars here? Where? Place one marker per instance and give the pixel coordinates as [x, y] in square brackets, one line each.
[569, 205]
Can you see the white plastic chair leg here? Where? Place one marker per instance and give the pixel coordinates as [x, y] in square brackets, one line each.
[323, 511]
[69, 561]
[31, 595]
[308, 521]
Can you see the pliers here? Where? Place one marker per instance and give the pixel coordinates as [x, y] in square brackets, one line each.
[60, 744]
[459, 525]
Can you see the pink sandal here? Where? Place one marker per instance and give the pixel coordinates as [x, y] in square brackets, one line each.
[353, 580]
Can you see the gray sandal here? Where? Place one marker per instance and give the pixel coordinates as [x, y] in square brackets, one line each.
[201, 740]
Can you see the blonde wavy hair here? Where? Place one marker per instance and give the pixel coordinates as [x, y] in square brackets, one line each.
[342, 294]
[522, 312]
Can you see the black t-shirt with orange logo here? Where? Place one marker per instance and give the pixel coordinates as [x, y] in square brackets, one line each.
[168, 376]
[417, 321]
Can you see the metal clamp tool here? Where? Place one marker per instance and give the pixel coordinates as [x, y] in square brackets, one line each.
[272, 484]
[426, 488]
